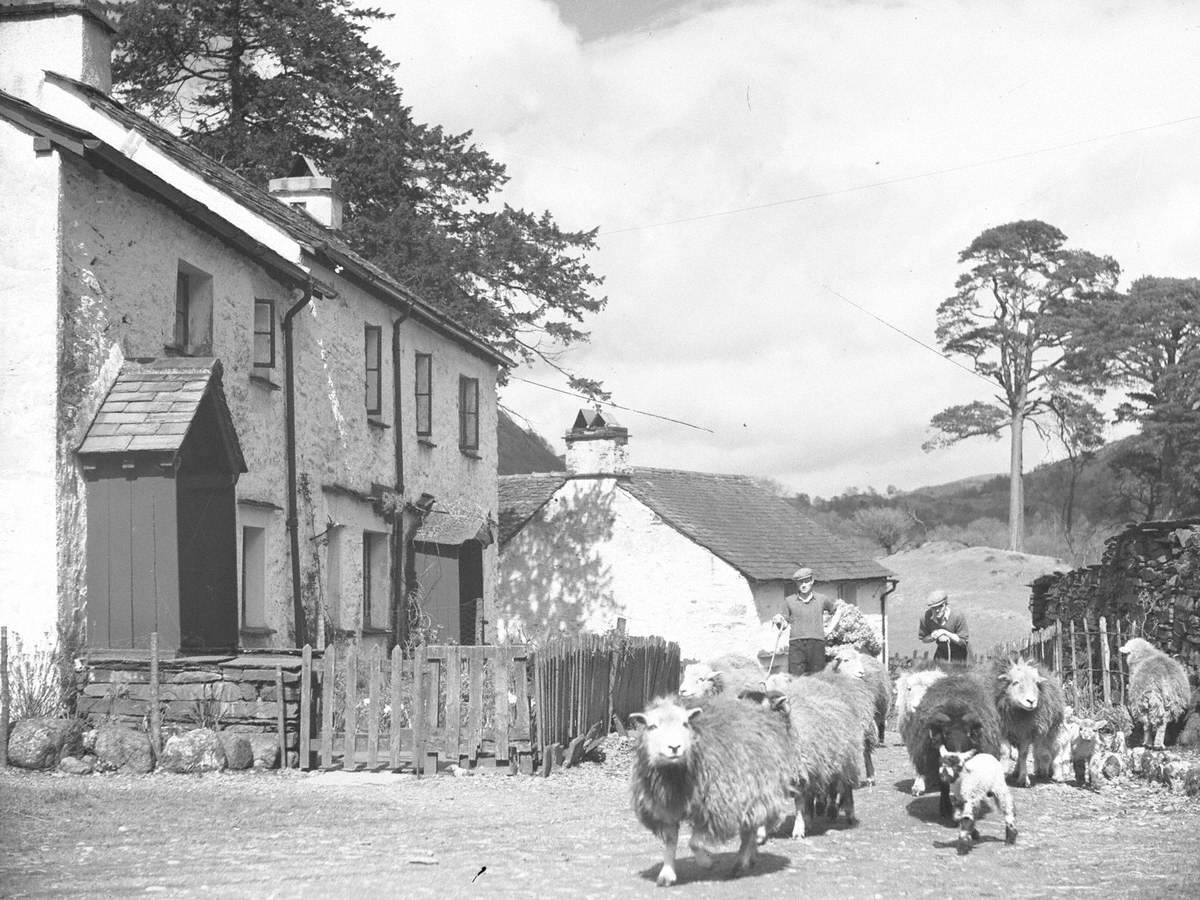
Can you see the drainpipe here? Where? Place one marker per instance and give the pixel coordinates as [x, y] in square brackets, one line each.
[399, 538]
[293, 519]
[883, 619]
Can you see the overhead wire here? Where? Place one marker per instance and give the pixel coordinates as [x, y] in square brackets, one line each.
[640, 412]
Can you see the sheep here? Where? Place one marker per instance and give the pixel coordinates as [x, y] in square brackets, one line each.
[828, 735]
[725, 766]
[910, 688]
[1077, 748]
[957, 712]
[973, 778]
[729, 673]
[1158, 690]
[861, 700]
[1030, 703]
[850, 662]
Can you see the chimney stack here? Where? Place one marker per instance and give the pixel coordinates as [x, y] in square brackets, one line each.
[305, 187]
[70, 37]
[596, 445]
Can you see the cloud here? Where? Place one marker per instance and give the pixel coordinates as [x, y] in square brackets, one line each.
[919, 127]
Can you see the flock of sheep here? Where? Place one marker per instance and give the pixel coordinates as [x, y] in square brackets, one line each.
[737, 750]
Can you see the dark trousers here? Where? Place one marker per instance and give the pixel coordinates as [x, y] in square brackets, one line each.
[806, 656]
[950, 651]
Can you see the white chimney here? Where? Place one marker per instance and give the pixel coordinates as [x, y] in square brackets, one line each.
[70, 37]
[305, 187]
[596, 445]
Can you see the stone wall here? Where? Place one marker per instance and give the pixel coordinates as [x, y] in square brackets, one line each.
[225, 693]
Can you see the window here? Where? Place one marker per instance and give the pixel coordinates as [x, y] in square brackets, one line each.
[424, 382]
[375, 579]
[468, 413]
[374, 337]
[193, 311]
[264, 333]
[254, 571]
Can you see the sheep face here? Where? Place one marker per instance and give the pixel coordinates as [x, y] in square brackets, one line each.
[1137, 649]
[950, 764]
[958, 735]
[666, 733]
[847, 662]
[700, 680]
[1022, 682]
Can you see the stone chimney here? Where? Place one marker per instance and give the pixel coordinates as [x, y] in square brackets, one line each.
[305, 187]
[596, 445]
[70, 37]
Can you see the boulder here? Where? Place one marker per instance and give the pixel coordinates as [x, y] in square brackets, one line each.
[120, 749]
[193, 751]
[42, 743]
[78, 765]
[266, 750]
[238, 752]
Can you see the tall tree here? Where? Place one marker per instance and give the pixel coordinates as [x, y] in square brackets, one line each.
[1010, 316]
[255, 82]
[1147, 341]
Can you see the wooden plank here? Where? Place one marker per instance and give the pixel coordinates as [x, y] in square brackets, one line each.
[375, 700]
[166, 555]
[1074, 663]
[1121, 674]
[143, 591]
[1091, 664]
[5, 699]
[327, 701]
[280, 719]
[521, 673]
[98, 552]
[120, 561]
[350, 712]
[418, 710]
[155, 700]
[500, 680]
[1105, 662]
[453, 674]
[397, 698]
[475, 706]
[306, 675]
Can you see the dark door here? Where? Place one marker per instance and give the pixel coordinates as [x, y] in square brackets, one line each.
[208, 584]
[470, 596]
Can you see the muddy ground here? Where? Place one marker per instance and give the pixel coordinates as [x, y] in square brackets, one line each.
[571, 835]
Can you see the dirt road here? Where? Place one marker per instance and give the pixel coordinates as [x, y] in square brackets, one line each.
[367, 835]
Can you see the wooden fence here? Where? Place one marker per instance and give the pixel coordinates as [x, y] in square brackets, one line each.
[444, 703]
[584, 683]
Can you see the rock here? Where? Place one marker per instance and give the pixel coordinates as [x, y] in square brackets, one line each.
[265, 748]
[238, 752]
[1112, 766]
[120, 749]
[41, 743]
[193, 751]
[74, 765]
[89, 740]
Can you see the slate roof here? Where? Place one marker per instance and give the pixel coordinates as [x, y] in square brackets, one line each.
[757, 532]
[151, 406]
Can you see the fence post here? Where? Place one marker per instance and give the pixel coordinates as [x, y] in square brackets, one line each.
[306, 707]
[1074, 664]
[1058, 653]
[1106, 686]
[280, 718]
[155, 709]
[1091, 663]
[394, 720]
[328, 692]
[4, 699]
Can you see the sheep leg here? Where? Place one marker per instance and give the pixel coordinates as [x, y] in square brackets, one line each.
[869, 764]
[1004, 798]
[804, 815]
[1022, 775]
[1160, 736]
[945, 807]
[966, 834]
[848, 805]
[700, 853]
[918, 785]
[746, 852]
[1147, 732]
[670, 839]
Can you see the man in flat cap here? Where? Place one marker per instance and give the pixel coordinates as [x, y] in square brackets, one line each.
[948, 628]
[802, 612]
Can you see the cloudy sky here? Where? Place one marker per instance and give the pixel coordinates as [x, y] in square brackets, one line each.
[759, 170]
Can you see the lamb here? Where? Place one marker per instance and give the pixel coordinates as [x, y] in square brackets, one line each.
[848, 661]
[725, 766]
[973, 778]
[1078, 745]
[729, 673]
[959, 713]
[1030, 703]
[1158, 690]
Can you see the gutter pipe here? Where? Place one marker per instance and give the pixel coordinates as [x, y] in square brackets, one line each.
[399, 537]
[883, 619]
[293, 519]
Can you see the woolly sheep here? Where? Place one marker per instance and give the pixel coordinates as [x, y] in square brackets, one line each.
[725, 766]
[910, 688]
[973, 778]
[729, 673]
[861, 700]
[1030, 703]
[1158, 690]
[849, 661]
[957, 712]
[828, 738]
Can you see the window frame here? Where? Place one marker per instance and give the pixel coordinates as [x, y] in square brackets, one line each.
[259, 560]
[269, 334]
[468, 418]
[423, 411]
[192, 332]
[375, 333]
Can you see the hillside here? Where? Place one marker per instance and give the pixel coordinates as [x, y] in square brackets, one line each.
[989, 586]
[523, 450]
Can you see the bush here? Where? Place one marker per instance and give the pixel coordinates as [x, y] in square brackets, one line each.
[35, 681]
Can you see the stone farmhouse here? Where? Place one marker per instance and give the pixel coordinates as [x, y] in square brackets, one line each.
[220, 423]
[702, 559]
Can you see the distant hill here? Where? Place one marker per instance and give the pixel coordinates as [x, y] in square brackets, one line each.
[522, 450]
[989, 586]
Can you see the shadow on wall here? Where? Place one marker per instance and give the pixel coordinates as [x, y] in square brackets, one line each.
[552, 577]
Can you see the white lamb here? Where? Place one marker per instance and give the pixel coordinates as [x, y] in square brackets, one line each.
[973, 778]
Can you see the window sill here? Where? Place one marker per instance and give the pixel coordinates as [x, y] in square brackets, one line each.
[255, 631]
[377, 423]
[469, 453]
[374, 630]
[366, 632]
[425, 442]
[263, 381]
